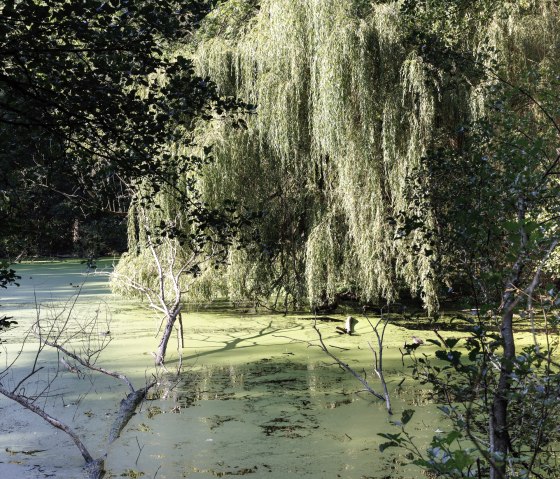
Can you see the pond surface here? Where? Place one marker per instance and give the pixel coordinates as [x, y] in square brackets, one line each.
[256, 397]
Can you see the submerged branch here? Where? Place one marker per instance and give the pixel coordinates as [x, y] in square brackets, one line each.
[27, 404]
[126, 410]
[94, 467]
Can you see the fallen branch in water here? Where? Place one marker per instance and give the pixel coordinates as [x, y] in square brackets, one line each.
[56, 333]
[128, 405]
[94, 467]
[126, 411]
[27, 404]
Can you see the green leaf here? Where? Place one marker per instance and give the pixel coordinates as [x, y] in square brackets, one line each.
[387, 445]
[452, 436]
[451, 342]
[462, 459]
[407, 415]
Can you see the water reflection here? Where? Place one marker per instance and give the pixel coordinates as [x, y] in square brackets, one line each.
[277, 415]
[266, 377]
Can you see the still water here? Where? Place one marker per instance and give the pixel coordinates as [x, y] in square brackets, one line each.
[255, 397]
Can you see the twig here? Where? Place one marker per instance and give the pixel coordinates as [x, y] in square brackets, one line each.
[139, 450]
[157, 470]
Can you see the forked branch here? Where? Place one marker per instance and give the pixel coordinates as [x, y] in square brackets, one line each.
[348, 368]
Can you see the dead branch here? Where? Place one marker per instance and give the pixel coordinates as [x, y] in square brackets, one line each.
[27, 404]
[345, 366]
[126, 411]
[55, 333]
[378, 358]
[89, 365]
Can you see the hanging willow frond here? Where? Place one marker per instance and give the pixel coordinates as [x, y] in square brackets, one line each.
[346, 109]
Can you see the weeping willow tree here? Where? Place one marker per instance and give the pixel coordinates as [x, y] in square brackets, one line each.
[348, 106]
[344, 112]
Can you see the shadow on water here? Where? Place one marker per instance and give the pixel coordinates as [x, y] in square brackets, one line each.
[238, 342]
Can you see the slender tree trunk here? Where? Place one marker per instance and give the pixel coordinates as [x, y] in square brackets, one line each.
[180, 342]
[76, 232]
[500, 442]
[162, 348]
[499, 428]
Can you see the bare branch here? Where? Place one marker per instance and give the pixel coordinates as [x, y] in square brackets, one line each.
[345, 366]
[27, 404]
[89, 365]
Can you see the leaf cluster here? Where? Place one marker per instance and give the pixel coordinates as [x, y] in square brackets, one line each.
[462, 376]
[7, 277]
[94, 99]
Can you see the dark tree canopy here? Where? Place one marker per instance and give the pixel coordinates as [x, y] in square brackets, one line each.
[92, 99]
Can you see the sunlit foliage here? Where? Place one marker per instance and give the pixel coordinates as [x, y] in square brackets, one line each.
[350, 102]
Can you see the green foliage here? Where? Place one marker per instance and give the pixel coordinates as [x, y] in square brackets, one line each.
[7, 277]
[356, 102]
[462, 385]
[506, 159]
[75, 73]
[227, 18]
[327, 81]
[93, 99]
[176, 238]
[493, 192]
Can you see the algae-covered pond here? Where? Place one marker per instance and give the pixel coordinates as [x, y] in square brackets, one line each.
[255, 397]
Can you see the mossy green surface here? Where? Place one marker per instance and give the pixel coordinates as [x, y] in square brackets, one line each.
[257, 396]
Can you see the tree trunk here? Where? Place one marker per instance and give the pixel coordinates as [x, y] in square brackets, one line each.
[500, 442]
[162, 348]
[499, 429]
